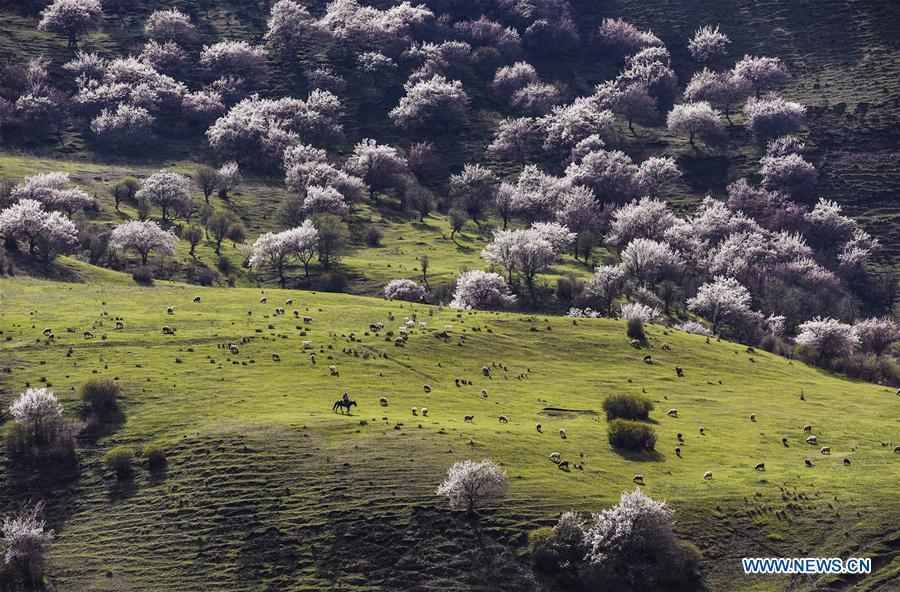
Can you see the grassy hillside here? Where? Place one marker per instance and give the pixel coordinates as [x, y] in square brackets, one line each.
[267, 489]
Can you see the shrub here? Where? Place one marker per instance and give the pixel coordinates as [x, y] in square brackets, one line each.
[142, 276]
[631, 435]
[627, 406]
[118, 460]
[635, 329]
[373, 236]
[155, 455]
[681, 565]
[542, 548]
[99, 394]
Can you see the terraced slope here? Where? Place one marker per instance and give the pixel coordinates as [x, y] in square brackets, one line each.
[267, 489]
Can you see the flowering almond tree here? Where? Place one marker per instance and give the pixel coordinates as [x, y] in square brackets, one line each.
[50, 233]
[143, 238]
[167, 190]
[470, 484]
[71, 18]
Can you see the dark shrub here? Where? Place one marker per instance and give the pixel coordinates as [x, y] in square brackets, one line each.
[333, 281]
[681, 565]
[627, 406]
[631, 435]
[155, 455]
[373, 236]
[542, 548]
[99, 394]
[225, 265]
[569, 288]
[635, 330]
[142, 276]
[198, 273]
[118, 460]
[51, 439]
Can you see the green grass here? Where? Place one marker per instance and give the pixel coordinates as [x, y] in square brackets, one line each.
[264, 480]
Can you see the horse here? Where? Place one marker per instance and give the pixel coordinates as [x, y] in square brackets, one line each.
[340, 403]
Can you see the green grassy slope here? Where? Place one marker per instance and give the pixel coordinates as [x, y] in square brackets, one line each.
[267, 489]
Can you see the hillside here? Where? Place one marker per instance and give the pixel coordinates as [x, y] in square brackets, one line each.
[266, 488]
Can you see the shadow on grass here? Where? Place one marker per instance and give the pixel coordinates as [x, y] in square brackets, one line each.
[646, 456]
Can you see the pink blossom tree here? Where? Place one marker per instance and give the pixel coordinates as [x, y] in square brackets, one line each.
[235, 58]
[772, 115]
[169, 25]
[708, 43]
[71, 18]
[514, 139]
[647, 218]
[623, 37]
[124, 127]
[610, 174]
[723, 90]
[762, 73]
[695, 119]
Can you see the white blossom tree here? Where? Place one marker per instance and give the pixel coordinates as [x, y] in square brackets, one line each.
[71, 18]
[379, 165]
[26, 540]
[876, 334]
[772, 115]
[635, 311]
[610, 174]
[605, 286]
[828, 337]
[403, 289]
[52, 191]
[722, 301]
[125, 127]
[35, 405]
[325, 200]
[474, 188]
[566, 125]
[436, 101]
[695, 119]
[274, 250]
[762, 72]
[647, 218]
[622, 36]
[708, 43]
[49, 233]
[169, 25]
[650, 261]
[514, 139]
[168, 191]
[235, 58]
[229, 178]
[655, 174]
[143, 238]
[790, 173]
[471, 484]
[484, 290]
[723, 90]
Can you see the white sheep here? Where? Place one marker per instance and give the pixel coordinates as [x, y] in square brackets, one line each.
[896, 449]
[170, 310]
[504, 419]
[333, 370]
[807, 428]
[235, 350]
[422, 325]
[415, 410]
[383, 402]
[424, 411]
[47, 331]
[707, 475]
[562, 433]
[639, 479]
[555, 457]
[564, 465]
[167, 330]
[812, 440]
[448, 328]
[289, 302]
[120, 325]
[276, 358]
[263, 300]
[307, 344]
[825, 450]
[672, 412]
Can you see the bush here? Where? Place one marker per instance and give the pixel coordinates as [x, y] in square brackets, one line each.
[569, 288]
[627, 406]
[199, 273]
[635, 330]
[142, 276]
[631, 435]
[542, 548]
[99, 394]
[373, 236]
[155, 455]
[682, 565]
[118, 460]
[52, 439]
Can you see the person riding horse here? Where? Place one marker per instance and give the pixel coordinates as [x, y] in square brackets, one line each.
[344, 403]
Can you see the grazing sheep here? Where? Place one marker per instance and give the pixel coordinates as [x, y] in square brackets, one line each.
[562, 434]
[555, 457]
[424, 411]
[333, 370]
[279, 310]
[383, 402]
[639, 479]
[504, 419]
[263, 300]
[415, 411]
[307, 320]
[89, 335]
[235, 350]
[707, 475]
[679, 371]
[702, 431]
[847, 462]
[678, 452]
[426, 388]
[648, 359]
[296, 314]
[784, 441]
[812, 440]
[484, 393]
[680, 437]
[469, 418]
[539, 428]
[672, 412]
[120, 325]
[196, 299]
[448, 328]
[485, 371]
[422, 325]
[289, 302]
[807, 428]
[399, 342]
[167, 330]
[896, 449]
[563, 466]
[808, 463]
[276, 358]
[170, 310]
[307, 344]
[47, 331]
[752, 417]
[636, 344]
[825, 450]
[760, 467]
